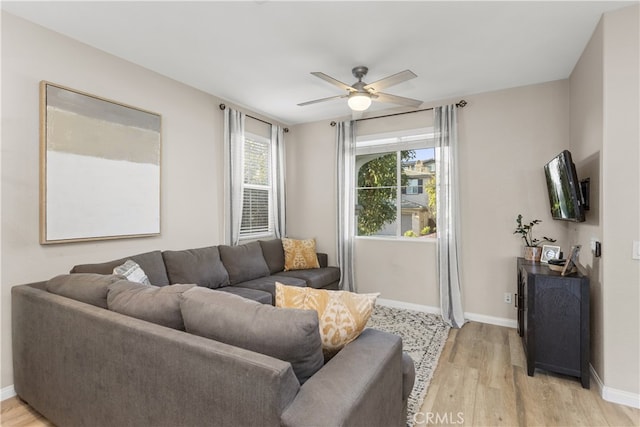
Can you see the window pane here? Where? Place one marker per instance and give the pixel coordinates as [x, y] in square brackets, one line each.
[255, 211]
[256, 162]
[376, 195]
[257, 190]
[395, 192]
[418, 196]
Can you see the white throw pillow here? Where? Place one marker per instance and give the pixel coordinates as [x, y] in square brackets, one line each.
[133, 272]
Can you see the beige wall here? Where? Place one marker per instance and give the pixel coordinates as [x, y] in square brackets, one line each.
[311, 185]
[604, 140]
[192, 192]
[586, 149]
[505, 139]
[621, 200]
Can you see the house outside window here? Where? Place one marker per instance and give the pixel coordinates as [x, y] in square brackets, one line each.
[395, 191]
[257, 192]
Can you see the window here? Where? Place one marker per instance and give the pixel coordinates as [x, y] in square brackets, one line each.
[256, 203]
[395, 190]
[414, 186]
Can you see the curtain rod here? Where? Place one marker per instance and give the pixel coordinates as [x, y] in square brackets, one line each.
[460, 104]
[285, 130]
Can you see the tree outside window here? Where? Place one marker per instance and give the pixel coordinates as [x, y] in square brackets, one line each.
[396, 193]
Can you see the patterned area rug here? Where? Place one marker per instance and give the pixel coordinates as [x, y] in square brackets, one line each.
[423, 338]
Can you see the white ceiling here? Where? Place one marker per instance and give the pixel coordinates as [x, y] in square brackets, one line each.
[258, 54]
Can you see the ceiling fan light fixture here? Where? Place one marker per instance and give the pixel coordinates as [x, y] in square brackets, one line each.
[359, 101]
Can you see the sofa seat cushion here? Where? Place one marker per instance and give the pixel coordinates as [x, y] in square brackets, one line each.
[268, 284]
[262, 297]
[201, 266]
[286, 334]
[318, 278]
[151, 262]
[243, 262]
[89, 288]
[159, 305]
[342, 315]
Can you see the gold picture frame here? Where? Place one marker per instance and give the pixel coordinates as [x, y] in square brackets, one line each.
[100, 168]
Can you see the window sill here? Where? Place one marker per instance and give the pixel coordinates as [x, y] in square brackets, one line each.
[257, 236]
[399, 239]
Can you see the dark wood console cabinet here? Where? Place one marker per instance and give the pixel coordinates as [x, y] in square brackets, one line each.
[553, 320]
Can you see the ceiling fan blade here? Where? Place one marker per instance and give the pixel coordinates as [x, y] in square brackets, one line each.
[394, 99]
[391, 80]
[315, 101]
[333, 81]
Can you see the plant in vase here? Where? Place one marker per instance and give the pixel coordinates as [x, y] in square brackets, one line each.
[532, 249]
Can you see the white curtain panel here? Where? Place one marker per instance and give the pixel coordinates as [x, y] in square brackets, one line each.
[346, 143]
[447, 216]
[277, 181]
[234, 173]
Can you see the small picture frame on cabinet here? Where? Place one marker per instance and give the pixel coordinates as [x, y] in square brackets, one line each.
[549, 252]
[572, 261]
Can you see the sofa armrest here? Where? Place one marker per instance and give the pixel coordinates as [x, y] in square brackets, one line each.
[408, 375]
[323, 259]
[361, 386]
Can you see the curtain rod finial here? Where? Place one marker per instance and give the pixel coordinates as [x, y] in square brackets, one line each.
[333, 124]
[222, 106]
[461, 104]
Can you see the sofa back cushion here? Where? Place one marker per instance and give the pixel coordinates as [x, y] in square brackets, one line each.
[244, 262]
[160, 305]
[151, 262]
[85, 287]
[273, 254]
[286, 334]
[201, 266]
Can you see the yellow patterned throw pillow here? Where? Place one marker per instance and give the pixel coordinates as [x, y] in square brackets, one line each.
[299, 254]
[342, 315]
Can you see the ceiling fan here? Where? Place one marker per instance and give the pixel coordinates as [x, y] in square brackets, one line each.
[360, 94]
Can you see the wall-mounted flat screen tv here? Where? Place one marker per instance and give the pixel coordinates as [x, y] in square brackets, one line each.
[565, 194]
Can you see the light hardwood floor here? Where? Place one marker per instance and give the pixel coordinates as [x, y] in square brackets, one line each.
[481, 380]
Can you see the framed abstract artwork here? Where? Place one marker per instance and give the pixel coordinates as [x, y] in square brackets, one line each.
[99, 168]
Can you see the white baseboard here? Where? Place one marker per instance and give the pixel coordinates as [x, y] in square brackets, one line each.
[408, 306]
[7, 392]
[491, 320]
[613, 395]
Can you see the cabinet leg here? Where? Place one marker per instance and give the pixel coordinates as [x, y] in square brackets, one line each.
[584, 379]
[530, 369]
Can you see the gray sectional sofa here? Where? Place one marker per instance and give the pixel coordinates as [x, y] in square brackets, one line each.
[92, 348]
[249, 270]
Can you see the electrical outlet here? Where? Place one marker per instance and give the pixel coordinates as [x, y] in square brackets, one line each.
[507, 297]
